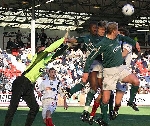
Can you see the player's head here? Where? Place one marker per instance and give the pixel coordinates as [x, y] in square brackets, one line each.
[40, 48]
[93, 28]
[52, 73]
[112, 28]
[101, 28]
[123, 31]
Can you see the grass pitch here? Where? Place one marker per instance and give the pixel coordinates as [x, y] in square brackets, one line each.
[70, 117]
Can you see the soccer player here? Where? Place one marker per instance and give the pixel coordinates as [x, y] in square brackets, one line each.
[95, 72]
[23, 85]
[50, 89]
[113, 70]
[122, 87]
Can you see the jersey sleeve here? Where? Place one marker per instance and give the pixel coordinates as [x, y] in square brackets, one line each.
[41, 86]
[96, 51]
[126, 39]
[55, 45]
[82, 39]
[127, 47]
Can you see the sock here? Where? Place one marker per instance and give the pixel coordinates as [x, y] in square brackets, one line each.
[49, 122]
[94, 108]
[111, 101]
[104, 109]
[77, 88]
[116, 108]
[89, 97]
[133, 92]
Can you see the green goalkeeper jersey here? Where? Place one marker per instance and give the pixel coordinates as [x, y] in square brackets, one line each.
[40, 60]
[110, 50]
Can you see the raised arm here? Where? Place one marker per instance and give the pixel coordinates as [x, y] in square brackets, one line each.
[130, 41]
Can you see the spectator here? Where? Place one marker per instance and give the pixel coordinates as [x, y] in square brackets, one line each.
[43, 37]
[20, 43]
[9, 44]
[18, 35]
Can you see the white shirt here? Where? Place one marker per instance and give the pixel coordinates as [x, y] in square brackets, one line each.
[55, 86]
[128, 58]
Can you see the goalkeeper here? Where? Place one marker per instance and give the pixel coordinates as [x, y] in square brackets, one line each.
[23, 85]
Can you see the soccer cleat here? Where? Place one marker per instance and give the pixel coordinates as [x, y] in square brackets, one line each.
[113, 115]
[84, 116]
[100, 122]
[91, 120]
[133, 105]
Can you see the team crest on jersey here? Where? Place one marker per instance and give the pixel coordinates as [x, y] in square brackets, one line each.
[116, 48]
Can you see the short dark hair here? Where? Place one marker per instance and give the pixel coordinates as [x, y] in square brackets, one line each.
[52, 68]
[124, 31]
[92, 23]
[102, 24]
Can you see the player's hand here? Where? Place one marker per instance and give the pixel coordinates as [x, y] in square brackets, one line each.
[138, 46]
[85, 77]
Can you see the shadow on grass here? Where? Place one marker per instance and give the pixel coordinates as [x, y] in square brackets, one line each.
[67, 118]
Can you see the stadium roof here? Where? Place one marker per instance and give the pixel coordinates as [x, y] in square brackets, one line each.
[76, 14]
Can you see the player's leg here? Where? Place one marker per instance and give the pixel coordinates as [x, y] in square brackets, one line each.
[111, 103]
[94, 109]
[51, 108]
[111, 76]
[29, 98]
[90, 95]
[95, 73]
[15, 98]
[132, 79]
[69, 92]
[104, 106]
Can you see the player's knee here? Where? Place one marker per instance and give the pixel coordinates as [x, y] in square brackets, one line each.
[105, 100]
[94, 88]
[48, 114]
[136, 82]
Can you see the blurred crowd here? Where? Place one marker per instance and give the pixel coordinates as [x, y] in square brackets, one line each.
[69, 68]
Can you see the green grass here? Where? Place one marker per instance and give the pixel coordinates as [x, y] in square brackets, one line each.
[70, 117]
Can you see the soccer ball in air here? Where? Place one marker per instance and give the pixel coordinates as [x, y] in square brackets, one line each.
[128, 10]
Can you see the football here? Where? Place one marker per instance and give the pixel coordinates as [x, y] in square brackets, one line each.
[128, 10]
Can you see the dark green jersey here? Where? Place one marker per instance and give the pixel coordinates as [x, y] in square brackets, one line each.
[111, 51]
[89, 43]
[40, 60]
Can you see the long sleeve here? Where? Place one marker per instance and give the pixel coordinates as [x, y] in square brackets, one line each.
[127, 40]
[54, 45]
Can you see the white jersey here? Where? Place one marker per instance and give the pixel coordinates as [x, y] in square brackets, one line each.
[128, 58]
[51, 88]
[123, 86]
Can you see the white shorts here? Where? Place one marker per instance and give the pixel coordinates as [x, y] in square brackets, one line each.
[113, 75]
[97, 66]
[122, 86]
[48, 104]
